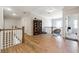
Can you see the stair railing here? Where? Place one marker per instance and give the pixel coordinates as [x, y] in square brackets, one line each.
[7, 37]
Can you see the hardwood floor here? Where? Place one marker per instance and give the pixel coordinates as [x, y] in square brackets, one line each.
[44, 43]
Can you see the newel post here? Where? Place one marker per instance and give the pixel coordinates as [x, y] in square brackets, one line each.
[22, 34]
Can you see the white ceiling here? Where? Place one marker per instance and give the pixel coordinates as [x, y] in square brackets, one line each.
[44, 11]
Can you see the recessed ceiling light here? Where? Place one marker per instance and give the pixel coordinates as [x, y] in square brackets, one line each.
[51, 10]
[9, 9]
[14, 14]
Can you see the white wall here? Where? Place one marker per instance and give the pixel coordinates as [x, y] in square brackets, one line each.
[1, 17]
[12, 22]
[1, 27]
[28, 24]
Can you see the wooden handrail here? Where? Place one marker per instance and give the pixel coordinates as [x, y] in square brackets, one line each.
[11, 29]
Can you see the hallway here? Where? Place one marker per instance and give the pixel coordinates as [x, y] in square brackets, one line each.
[46, 44]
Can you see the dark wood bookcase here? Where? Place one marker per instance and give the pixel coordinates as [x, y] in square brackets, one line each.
[37, 27]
